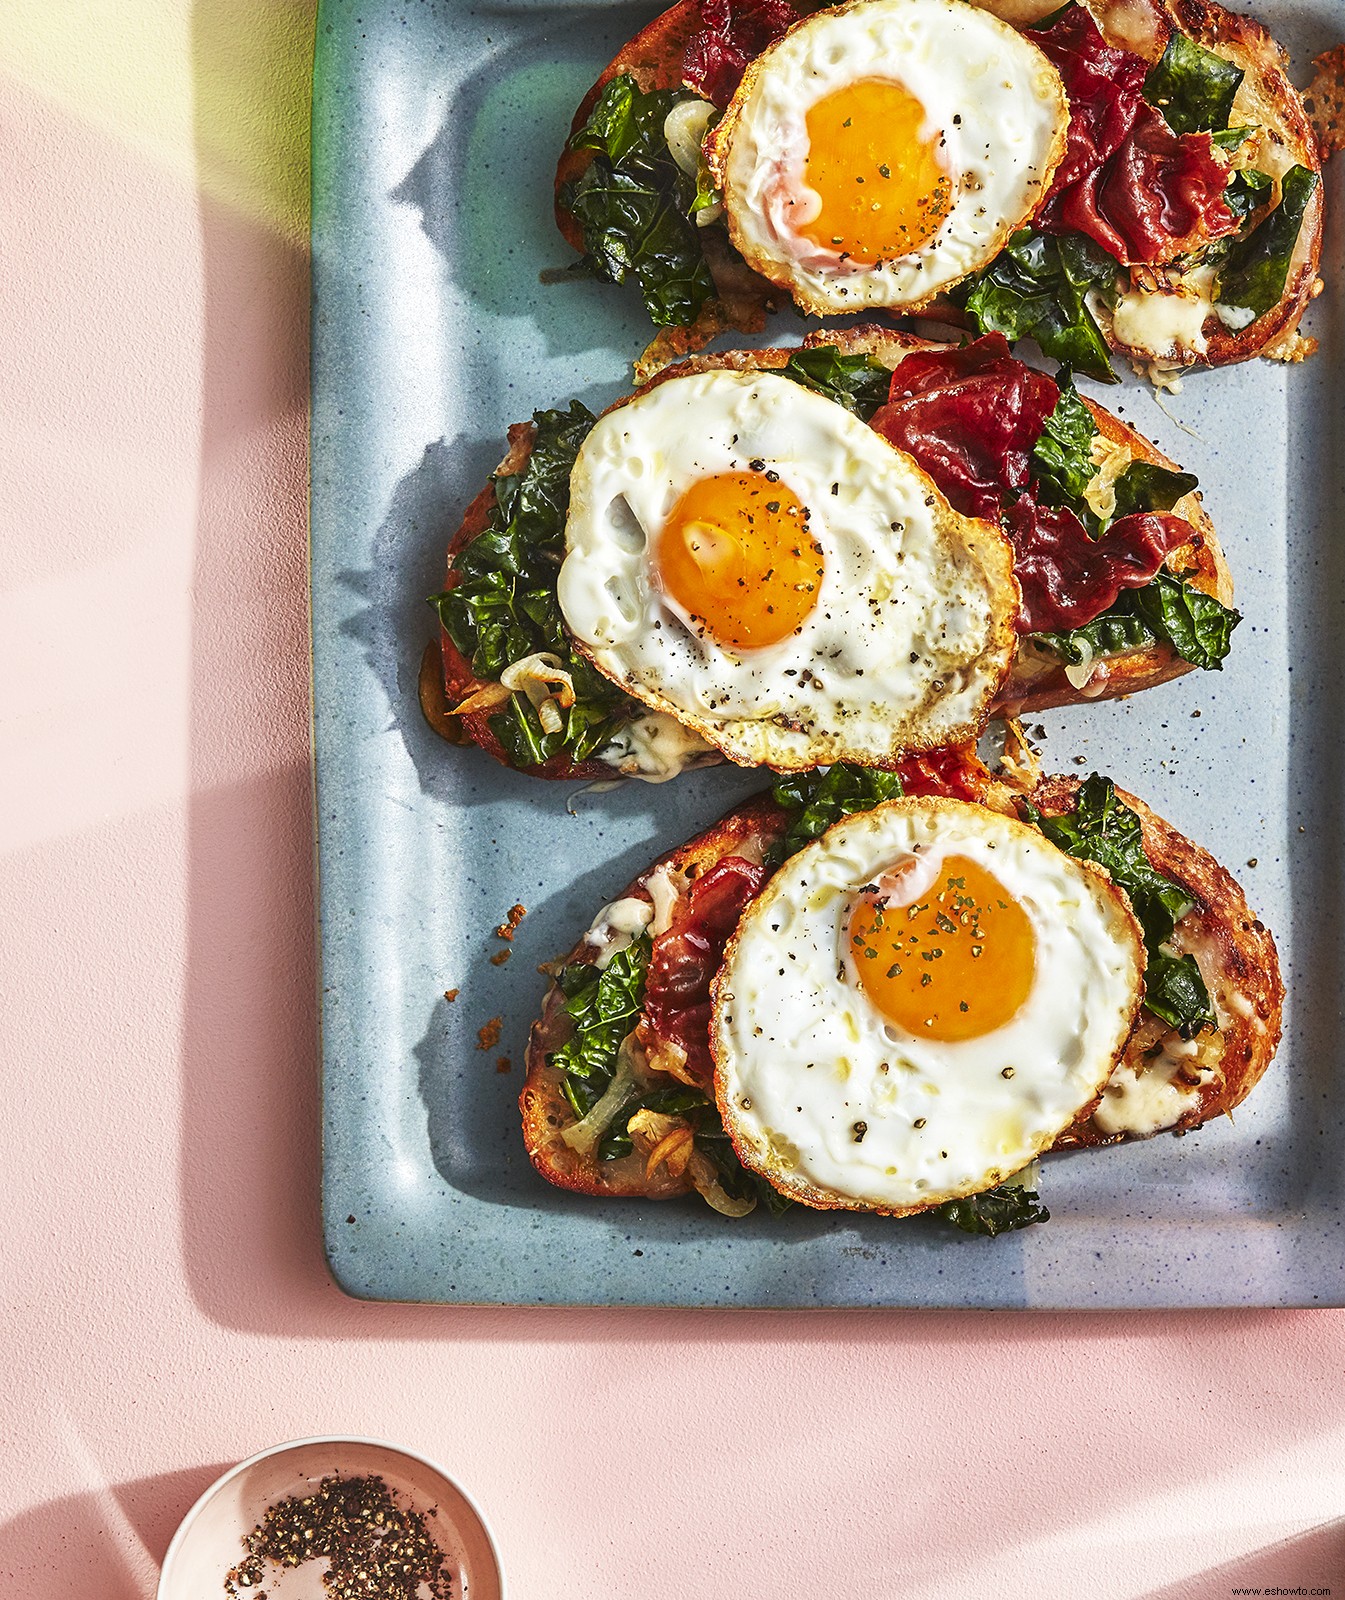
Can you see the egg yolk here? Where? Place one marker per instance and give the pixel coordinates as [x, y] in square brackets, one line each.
[736, 554]
[883, 188]
[957, 963]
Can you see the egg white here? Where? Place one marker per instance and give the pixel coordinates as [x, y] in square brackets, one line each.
[821, 1093]
[913, 630]
[990, 95]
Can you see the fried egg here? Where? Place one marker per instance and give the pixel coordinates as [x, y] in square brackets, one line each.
[749, 557]
[879, 152]
[918, 1004]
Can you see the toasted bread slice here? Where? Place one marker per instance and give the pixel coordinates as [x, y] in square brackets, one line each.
[1266, 100]
[1035, 683]
[1162, 1084]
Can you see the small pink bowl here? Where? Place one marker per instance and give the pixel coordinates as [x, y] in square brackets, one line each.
[208, 1544]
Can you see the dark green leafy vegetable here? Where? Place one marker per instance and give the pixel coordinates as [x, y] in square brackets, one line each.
[587, 725]
[1168, 610]
[504, 606]
[1175, 992]
[1253, 273]
[706, 192]
[823, 797]
[1192, 87]
[738, 1182]
[1114, 633]
[676, 1099]
[1228, 139]
[1197, 626]
[604, 1003]
[1037, 288]
[1062, 459]
[1102, 829]
[634, 203]
[1145, 486]
[997, 1210]
[1062, 466]
[858, 382]
[1245, 191]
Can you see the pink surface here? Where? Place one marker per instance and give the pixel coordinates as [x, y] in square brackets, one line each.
[167, 1309]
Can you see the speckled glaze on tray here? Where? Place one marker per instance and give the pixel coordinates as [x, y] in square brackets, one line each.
[435, 131]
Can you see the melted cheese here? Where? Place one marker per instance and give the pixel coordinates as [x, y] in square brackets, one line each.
[617, 926]
[665, 888]
[1167, 324]
[1154, 1098]
[655, 747]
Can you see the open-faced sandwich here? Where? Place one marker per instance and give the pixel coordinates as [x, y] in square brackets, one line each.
[893, 992]
[845, 552]
[1139, 174]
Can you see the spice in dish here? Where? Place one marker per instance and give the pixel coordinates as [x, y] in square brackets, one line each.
[375, 1547]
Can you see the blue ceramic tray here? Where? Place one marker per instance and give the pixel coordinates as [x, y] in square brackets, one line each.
[435, 127]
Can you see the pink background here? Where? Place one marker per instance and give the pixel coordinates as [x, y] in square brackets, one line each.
[167, 1310]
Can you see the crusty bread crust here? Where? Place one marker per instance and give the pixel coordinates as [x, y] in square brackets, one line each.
[1032, 685]
[1266, 97]
[1236, 952]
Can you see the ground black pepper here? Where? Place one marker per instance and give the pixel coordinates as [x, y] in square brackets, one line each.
[375, 1547]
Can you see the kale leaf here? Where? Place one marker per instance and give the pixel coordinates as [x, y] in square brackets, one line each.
[1175, 992]
[822, 797]
[995, 1211]
[504, 606]
[1192, 87]
[604, 1003]
[1102, 829]
[1168, 611]
[1245, 191]
[1062, 466]
[1253, 273]
[633, 203]
[1062, 458]
[1228, 139]
[1114, 633]
[1037, 288]
[858, 382]
[1197, 626]
[1145, 486]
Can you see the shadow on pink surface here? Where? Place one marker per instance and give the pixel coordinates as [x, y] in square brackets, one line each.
[62, 1547]
[1310, 1563]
